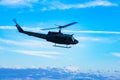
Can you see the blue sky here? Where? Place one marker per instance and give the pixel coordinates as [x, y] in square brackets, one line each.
[97, 30]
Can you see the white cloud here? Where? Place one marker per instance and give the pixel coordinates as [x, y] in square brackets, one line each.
[99, 3]
[1, 48]
[53, 4]
[18, 3]
[31, 44]
[7, 27]
[93, 32]
[72, 68]
[36, 29]
[38, 53]
[91, 39]
[27, 43]
[94, 3]
[97, 39]
[116, 54]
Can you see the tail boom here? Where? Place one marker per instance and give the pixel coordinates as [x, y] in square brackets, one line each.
[39, 35]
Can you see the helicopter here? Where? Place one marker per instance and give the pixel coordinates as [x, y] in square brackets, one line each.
[54, 37]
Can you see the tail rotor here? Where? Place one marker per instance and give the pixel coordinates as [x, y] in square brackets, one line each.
[18, 26]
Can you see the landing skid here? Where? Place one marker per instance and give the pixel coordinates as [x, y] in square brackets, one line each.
[62, 46]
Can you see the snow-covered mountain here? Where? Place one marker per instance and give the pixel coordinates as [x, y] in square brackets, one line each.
[54, 74]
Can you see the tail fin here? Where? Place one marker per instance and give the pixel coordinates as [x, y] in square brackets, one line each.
[18, 26]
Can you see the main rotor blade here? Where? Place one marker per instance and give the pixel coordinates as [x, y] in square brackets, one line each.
[68, 24]
[49, 28]
[60, 26]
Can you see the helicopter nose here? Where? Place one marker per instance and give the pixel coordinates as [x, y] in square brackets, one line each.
[76, 41]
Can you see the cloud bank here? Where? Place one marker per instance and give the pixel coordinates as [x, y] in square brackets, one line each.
[45, 5]
[38, 53]
[93, 32]
[18, 3]
[34, 44]
[94, 3]
[116, 54]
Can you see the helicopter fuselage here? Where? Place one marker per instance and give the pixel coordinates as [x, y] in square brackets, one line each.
[60, 38]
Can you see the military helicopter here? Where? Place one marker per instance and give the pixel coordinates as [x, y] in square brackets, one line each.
[55, 37]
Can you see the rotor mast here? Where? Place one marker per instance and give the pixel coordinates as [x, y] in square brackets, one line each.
[60, 28]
